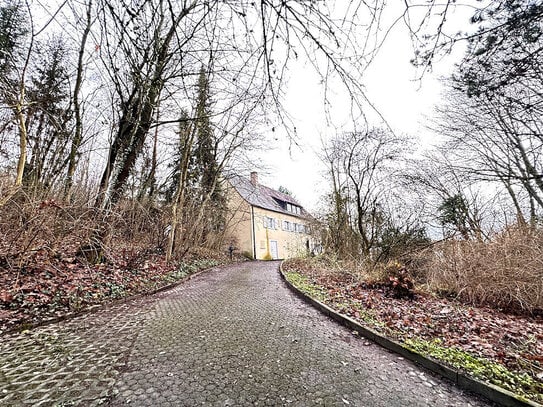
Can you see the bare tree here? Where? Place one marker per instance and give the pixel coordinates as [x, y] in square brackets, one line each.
[497, 27]
[362, 166]
[455, 200]
[250, 46]
[497, 141]
[142, 38]
[34, 91]
[17, 46]
[186, 141]
[77, 137]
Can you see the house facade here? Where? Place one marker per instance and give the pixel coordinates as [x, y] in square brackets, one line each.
[264, 223]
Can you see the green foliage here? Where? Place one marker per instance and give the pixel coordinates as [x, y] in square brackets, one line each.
[285, 191]
[201, 167]
[480, 368]
[396, 241]
[172, 184]
[116, 290]
[507, 52]
[49, 116]
[204, 169]
[193, 266]
[12, 30]
[368, 316]
[50, 84]
[453, 212]
[305, 285]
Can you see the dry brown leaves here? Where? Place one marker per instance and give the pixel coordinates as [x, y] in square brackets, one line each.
[513, 340]
[49, 286]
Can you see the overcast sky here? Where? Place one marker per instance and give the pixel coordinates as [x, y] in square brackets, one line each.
[392, 86]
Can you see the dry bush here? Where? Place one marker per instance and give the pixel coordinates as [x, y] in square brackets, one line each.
[143, 225]
[44, 226]
[29, 226]
[504, 273]
[376, 274]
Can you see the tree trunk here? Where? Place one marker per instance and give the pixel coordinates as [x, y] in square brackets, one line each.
[78, 134]
[187, 141]
[23, 138]
[136, 117]
[149, 185]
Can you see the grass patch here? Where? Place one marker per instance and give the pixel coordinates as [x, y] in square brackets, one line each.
[480, 368]
[314, 290]
[305, 285]
[368, 317]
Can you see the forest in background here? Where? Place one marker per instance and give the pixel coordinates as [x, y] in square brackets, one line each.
[464, 215]
[120, 120]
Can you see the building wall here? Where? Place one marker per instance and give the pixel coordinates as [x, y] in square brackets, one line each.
[239, 230]
[238, 224]
[289, 243]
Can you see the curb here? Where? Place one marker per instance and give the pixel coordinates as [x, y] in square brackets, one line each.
[107, 303]
[489, 391]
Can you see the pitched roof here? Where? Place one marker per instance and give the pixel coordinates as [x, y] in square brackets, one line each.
[264, 197]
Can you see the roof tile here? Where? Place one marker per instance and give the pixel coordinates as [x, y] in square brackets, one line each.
[264, 197]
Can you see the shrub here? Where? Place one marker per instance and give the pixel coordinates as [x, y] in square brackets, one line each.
[397, 243]
[394, 277]
[401, 285]
[505, 273]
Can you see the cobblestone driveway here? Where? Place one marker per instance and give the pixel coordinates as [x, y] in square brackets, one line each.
[230, 337]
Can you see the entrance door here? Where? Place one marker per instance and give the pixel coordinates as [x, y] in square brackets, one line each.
[273, 249]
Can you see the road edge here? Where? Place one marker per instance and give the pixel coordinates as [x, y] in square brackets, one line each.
[109, 303]
[489, 391]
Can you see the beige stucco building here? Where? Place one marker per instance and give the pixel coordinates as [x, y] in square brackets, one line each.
[264, 223]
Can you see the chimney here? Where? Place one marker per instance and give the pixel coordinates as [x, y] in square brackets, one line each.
[254, 178]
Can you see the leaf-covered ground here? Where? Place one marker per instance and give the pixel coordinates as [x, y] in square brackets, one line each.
[47, 285]
[442, 328]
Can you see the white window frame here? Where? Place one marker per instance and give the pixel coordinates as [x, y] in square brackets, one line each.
[269, 223]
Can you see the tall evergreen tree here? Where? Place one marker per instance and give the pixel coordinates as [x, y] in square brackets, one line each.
[13, 67]
[184, 142]
[205, 166]
[12, 30]
[49, 115]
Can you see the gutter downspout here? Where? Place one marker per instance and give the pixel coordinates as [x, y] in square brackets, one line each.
[253, 231]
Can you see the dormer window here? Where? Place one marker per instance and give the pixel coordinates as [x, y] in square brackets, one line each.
[294, 209]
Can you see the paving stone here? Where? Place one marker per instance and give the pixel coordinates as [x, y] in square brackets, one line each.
[234, 336]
